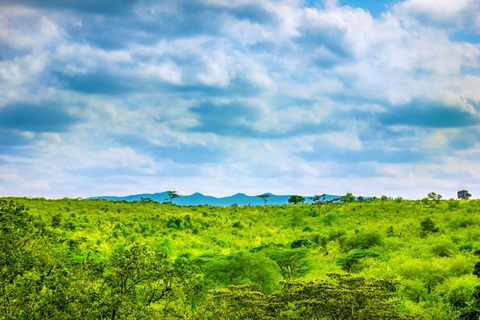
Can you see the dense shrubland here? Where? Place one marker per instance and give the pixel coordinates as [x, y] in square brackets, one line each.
[97, 259]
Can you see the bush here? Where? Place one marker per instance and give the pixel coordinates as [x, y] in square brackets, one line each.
[351, 262]
[329, 219]
[459, 292]
[443, 248]
[300, 243]
[459, 222]
[261, 272]
[428, 225]
[364, 240]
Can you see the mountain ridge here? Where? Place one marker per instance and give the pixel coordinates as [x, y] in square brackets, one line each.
[198, 198]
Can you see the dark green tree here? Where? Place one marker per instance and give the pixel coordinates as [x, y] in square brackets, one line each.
[463, 194]
[296, 199]
[348, 198]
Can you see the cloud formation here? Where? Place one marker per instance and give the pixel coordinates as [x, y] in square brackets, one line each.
[220, 97]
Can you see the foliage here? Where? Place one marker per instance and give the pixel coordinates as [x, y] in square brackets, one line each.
[318, 199]
[254, 269]
[434, 197]
[296, 199]
[428, 225]
[86, 259]
[343, 298]
[463, 194]
[293, 263]
[347, 198]
[350, 263]
[364, 240]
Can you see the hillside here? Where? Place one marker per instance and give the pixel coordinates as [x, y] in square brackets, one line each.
[430, 248]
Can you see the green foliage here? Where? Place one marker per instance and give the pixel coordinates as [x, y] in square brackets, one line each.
[463, 194]
[398, 199]
[293, 263]
[63, 259]
[300, 243]
[296, 199]
[351, 263]
[435, 197]
[364, 240]
[428, 225]
[329, 219]
[318, 199]
[348, 198]
[344, 298]
[254, 269]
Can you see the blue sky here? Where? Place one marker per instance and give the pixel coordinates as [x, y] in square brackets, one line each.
[101, 97]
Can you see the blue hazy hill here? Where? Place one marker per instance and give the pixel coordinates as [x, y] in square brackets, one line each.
[197, 198]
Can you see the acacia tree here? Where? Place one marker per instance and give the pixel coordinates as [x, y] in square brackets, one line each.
[264, 197]
[318, 199]
[172, 195]
[463, 194]
[345, 298]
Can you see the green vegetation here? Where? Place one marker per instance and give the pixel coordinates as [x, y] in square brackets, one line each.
[98, 259]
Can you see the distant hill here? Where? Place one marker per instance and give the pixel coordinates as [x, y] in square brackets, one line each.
[197, 198]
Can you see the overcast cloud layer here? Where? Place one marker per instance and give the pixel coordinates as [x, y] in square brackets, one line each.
[102, 97]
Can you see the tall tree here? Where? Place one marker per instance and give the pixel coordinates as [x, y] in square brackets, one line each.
[172, 195]
[264, 197]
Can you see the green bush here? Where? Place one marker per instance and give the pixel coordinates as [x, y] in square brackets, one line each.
[261, 272]
[364, 240]
[351, 263]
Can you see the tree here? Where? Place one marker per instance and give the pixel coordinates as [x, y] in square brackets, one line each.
[255, 269]
[463, 194]
[264, 197]
[293, 263]
[435, 197]
[296, 199]
[361, 199]
[348, 198]
[172, 195]
[344, 298]
[318, 199]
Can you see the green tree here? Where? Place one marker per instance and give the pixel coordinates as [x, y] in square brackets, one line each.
[463, 194]
[293, 263]
[428, 225]
[296, 199]
[172, 195]
[348, 198]
[264, 197]
[318, 199]
[241, 268]
[435, 197]
[344, 298]
[351, 262]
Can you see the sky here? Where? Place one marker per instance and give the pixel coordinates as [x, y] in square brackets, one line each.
[103, 97]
